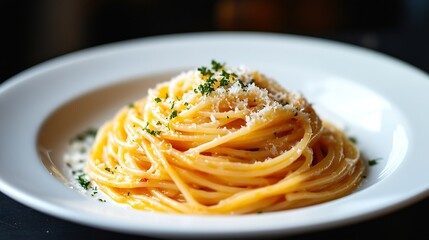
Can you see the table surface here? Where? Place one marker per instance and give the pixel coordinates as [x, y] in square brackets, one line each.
[21, 222]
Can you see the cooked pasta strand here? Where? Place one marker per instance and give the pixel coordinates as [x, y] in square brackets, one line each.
[222, 140]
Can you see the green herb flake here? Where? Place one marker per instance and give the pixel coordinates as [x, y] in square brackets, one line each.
[131, 105]
[353, 140]
[151, 131]
[284, 103]
[173, 114]
[225, 74]
[90, 132]
[77, 171]
[224, 82]
[243, 86]
[216, 65]
[83, 181]
[207, 87]
[157, 99]
[205, 71]
[373, 162]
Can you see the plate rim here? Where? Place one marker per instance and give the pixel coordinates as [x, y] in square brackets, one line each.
[70, 58]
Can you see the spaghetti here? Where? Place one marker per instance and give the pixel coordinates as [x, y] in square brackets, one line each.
[222, 140]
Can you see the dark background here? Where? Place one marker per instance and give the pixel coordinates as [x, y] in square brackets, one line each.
[36, 31]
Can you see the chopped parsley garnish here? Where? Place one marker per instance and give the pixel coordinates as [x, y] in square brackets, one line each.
[131, 105]
[225, 74]
[373, 162]
[207, 87]
[353, 140]
[173, 114]
[90, 132]
[223, 79]
[157, 99]
[226, 77]
[77, 171]
[172, 105]
[243, 86]
[205, 71]
[94, 189]
[216, 65]
[151, 131]
[223, 82]
[81, 179]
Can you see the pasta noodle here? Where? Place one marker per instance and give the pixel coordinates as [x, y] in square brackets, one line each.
[222, 140]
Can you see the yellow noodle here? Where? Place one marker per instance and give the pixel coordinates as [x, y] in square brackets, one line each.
[222, 140]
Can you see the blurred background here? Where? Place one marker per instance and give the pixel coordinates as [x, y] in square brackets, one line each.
[35, 31]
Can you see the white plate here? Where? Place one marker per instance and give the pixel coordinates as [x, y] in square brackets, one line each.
[377, 99]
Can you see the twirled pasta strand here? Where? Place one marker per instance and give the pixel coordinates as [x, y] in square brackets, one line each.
[247, 146]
